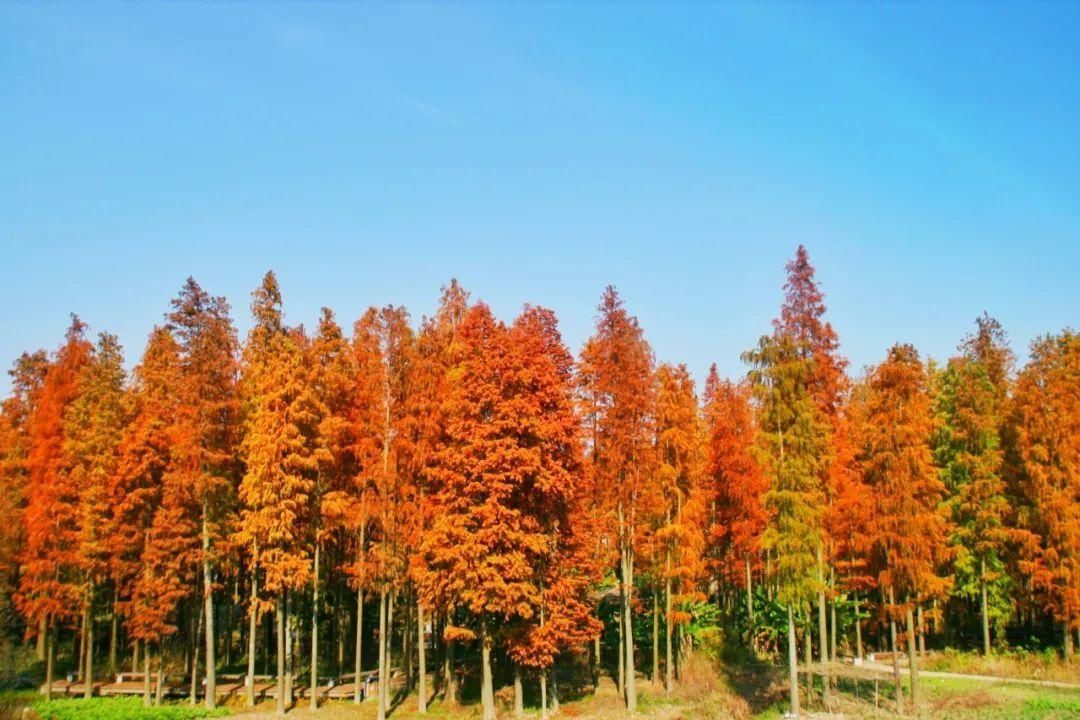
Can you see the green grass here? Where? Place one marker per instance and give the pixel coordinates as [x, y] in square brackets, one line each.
[127, 708]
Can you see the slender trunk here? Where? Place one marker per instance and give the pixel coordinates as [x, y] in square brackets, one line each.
[983, 605]
[80, 660]
[621, 679]
[135, 656]
[389, 649]
[519, 701]
[384, 676]
[253, 627]
[314, 689]
[146, 679]
[823, 632]
[288, 649]
[50, 660]
[450, 694]
[208, 608]
[913, 661]
[749, 594]
[39, 651]
[88, 623]
[669, 660]
[543, 695]
[554, 690]
[159, 688]
[279, 612]
[195, 662]
[487, 689]
[628, 589]
[113, 632]
[793, 663]
[895, 654]
[358, 660]
[858, 628]
[656, 639]
[832, 619]
[808, 660]
[921, 628]
[596, 664]
[421, 652]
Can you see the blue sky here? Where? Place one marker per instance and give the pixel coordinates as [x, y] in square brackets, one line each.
[927, 155]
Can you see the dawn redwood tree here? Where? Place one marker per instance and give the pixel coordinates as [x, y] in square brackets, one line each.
[1045, 419]
[384, 348]
[205, 454]
[616, 381]
[909, 526]
[27, 376]
[971, 404]
[93, 426]
[137, 496]
[734, 484]
[552, 498]
[802, 316]
[49, 591]
[425, 421]
[332, 380]
[792, 450]
[482, 545]
[679, 466]
[280, 457]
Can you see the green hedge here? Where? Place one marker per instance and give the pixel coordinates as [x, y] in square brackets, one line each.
[123, 708]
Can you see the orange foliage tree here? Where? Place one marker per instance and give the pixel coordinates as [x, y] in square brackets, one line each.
[1045, 420]
[48, 587]
[615, 376]
[909, 526]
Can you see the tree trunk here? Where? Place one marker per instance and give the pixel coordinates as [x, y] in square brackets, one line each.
[113, 633]
[159, 688]
[749, 594]
[314, 689]
[793, 663]
[669, 660]
[983, 604]
[253, 626]
[921, 628]
[656, 639]
[895, 655]
[288, 649]
[88, 624]
[135, 656]
[421, 652]
[389, 649]
[450, 693]
[543, 695]
[519, 701]
[50, 660]
[208, 608]
[621, 676]
[487, 688]
[280, 617]
[358, 660]
[40, 649]
[384, 676]
[628, 589]
[913, 661]
[596, 664]
[823, 632]
[195, 660]
[146, 678]
[858, 628]
[832, 619]
[808, 660]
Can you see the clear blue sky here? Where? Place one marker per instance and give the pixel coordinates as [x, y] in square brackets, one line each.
[927, 155]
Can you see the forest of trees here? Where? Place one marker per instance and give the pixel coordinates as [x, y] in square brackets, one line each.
[463, 502]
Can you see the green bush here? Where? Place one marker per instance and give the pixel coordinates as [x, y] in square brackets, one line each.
[125, 708]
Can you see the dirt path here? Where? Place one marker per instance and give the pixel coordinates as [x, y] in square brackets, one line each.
[881, 668]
